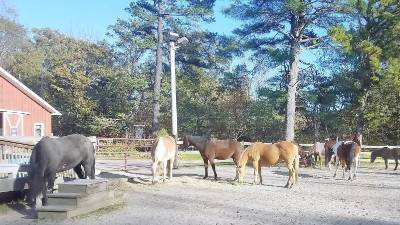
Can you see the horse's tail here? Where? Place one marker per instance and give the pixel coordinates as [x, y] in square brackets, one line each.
[297, 164]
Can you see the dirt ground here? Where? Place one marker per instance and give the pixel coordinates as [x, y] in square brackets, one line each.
[374, 198]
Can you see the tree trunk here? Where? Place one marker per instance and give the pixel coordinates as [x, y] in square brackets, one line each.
[360, 115]
[157, 78]
[292, 89]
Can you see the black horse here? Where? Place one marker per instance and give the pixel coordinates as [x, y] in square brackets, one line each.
[54, 155]
[386, 153]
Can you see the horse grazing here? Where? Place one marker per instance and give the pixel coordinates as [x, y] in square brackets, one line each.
[386, 154]
[214, 149]
[347, 153]
[162, 151]
[261, 154]
[54, 155]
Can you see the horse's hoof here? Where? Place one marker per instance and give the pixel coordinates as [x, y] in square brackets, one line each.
[205, 177]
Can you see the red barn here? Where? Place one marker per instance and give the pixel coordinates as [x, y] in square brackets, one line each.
[22, 112]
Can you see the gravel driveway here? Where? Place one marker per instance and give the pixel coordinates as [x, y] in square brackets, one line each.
[374, 198]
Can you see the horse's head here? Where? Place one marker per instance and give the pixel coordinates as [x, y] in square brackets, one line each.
[185, 143]
[357, 138]
[373, 156]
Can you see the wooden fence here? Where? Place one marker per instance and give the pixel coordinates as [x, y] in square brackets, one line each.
[122, 148]
[14, 164]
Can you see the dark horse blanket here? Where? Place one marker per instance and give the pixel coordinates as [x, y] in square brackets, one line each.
[53, 155]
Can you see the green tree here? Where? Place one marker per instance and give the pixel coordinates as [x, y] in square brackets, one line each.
[13, 39]
[290, 25]
[147, 22]
[373, 41]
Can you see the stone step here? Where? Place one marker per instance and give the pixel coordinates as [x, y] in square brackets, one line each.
[66, 205]
[83, 186]
[64, 199]
[77, 199]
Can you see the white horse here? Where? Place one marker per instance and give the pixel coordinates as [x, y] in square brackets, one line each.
[162, 151]
[334, 157]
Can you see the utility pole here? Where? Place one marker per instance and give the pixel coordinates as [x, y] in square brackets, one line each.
[174, 37]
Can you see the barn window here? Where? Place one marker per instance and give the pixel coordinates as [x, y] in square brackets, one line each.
[14, 131]
[38, 129]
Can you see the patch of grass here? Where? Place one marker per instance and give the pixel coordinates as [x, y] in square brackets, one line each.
[4, 209]
[190, 156]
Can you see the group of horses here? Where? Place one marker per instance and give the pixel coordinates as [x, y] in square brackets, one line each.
[333, 153]
[53, 155]
[259, 154]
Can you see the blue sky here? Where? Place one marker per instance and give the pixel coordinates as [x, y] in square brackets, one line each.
[89, 19]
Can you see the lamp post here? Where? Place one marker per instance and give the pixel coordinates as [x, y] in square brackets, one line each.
[174, 38]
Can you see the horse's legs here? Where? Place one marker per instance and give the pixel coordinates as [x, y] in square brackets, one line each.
[386, 164]
[337, 167]
[171, 163]
[78, 171]
[236, 161]
[50, 185]
[44, 192]
[205, 160]
[213, 167]
[396, 160]
[87, 166]
[259, 173]
[357, 159]
[255, 167]
[164, 165]
[344, 168]
[154, 171]
[330, 161]
[320, 162]
[290, 181]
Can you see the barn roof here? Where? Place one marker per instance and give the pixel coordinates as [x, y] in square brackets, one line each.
[20, 86]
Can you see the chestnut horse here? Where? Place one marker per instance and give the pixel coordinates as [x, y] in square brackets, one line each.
[214, 149]
[347, 153]
[261, 154]
[162, 151]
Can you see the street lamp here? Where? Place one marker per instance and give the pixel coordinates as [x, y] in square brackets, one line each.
[174, 38]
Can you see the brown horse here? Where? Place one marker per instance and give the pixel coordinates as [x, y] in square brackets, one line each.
[214, 149]
[162, 151]
[261, 154]
[347, 153]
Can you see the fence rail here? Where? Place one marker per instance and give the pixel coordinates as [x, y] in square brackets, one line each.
[14, 164]
[125, 147]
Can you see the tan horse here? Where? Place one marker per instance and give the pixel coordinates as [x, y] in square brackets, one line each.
[162, 151]
[261, 154]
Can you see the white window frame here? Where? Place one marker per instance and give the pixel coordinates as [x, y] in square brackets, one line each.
[34, 131]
